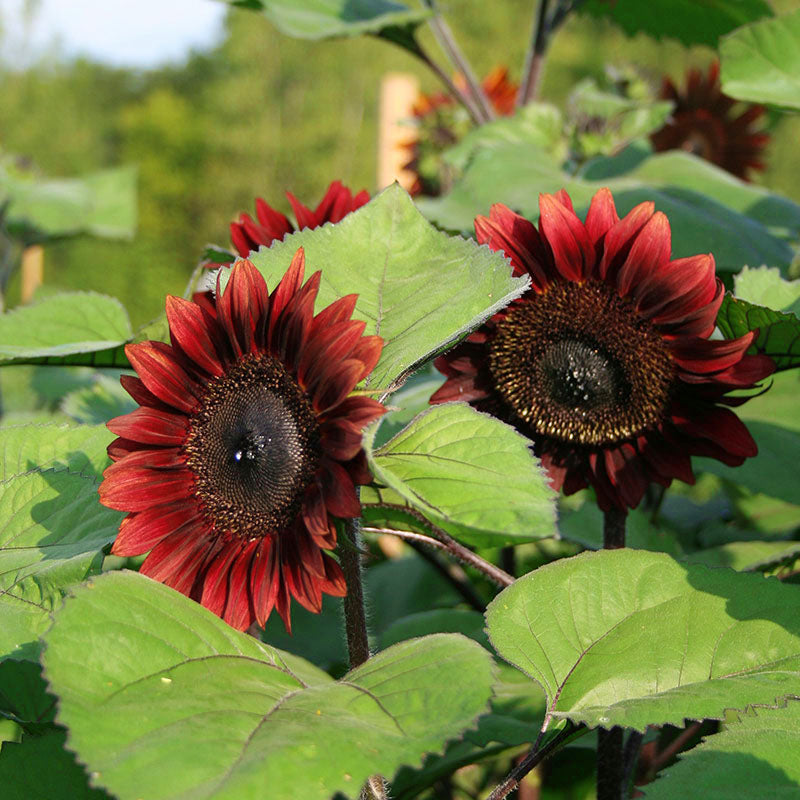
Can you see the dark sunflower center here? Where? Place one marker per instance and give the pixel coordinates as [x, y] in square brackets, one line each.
[578, 364]
[253, 448]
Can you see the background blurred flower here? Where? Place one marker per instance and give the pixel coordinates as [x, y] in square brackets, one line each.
[712, 125]
[606, 362]
[246, 445]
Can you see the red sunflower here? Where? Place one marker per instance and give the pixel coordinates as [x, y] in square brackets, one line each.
[248, 234]
[246, 444]
[606, 362]
[712, 125]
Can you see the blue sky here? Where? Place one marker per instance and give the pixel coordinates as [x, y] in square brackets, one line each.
[131, 33]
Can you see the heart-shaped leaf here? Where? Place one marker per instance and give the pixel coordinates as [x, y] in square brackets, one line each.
[53, 534]
[761, 62]
[417, 288]
[163, 700]
[470, 474]
[631, 638]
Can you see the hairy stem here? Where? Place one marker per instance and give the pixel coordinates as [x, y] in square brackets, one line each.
[611, 784]
[441, 30]
[465, 100]
[534, 59]
[532, 760]
[454, 548]
[355, 618]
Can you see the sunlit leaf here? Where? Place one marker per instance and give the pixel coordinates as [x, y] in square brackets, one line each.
[98, 403]
[53, 534]
[468, 473]
[757, 755]
[761, 62]
[417, 288]
[632, 638]
[62, 324]
[79, 448]
[205, 711]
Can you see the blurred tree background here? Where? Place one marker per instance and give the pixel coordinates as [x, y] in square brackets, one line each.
[262, 113]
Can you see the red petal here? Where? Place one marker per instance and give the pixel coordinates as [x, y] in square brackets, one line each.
[283, 293]
[721, 426]
[315, 512]
[705, 356]
[339, 491]
[458, 389]
[141, 394]
[335, 383]
[277, 225]
[239, 612]
[135, 488]
[359, 411]
[649, 253]
[602, 215]
[620, 237]
[338, 311]
[141, 531]
[340, 440]
[161, 372]
[215, 580]
[368, 352]
[241, 309]
[573, 250]
[150, 426]
[188, 329]
[518, 239]
[326, 348]
[305, 217]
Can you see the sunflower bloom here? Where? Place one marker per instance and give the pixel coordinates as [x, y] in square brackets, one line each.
[248, 234]
[245, 447]
[712, 125]
[606, 362]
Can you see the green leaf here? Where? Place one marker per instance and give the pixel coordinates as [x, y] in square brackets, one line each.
[631, 638]
[79, 448]
[102, 203]
[764, 286]
[205, 711]
[536, 124]
[756, 756]
[746, 556]
[98, 403]
[728, 225]
[53, 534]
[470, 474]
[323, 19]
[65, 323]
[761, 62]
[41, 767]
[23, 694]
[387, 254]
[688, 21]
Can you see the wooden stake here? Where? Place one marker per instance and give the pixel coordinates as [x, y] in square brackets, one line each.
[399, 91]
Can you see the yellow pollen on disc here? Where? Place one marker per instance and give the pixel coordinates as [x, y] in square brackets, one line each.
[576, 363]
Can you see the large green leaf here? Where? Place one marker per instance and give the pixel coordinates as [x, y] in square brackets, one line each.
[631, 638]
[79, 448]
[204, 711]
[751, 555]
[688, 21]
[736, 225]
[417, 288]
[323, 19]
[761, 62]
[758, 755]
[40, 768]
[53, 534]
[23, 694]
[468, 473]
[65, 323]
[102, 203]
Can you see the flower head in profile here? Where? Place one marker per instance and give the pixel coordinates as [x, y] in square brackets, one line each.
[248, 234]
[246, 445]
[605, 363]
[712, 125]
